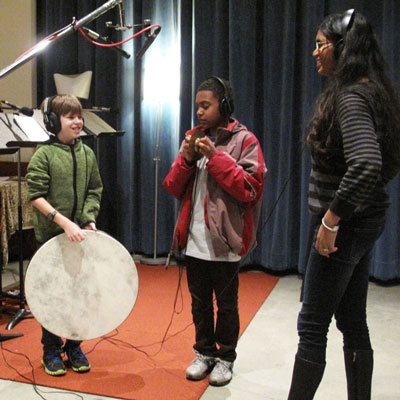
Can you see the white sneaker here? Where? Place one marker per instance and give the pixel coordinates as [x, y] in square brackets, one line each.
[222, 373]
[200, 367]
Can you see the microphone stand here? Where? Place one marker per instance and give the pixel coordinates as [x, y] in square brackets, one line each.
[59, 35]
[156, 260]
[20, 313]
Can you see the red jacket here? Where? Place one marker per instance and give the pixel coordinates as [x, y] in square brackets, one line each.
[236, 174]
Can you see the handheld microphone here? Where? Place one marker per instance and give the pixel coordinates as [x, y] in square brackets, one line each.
[96, 36]
[23, 110]
[150, 39]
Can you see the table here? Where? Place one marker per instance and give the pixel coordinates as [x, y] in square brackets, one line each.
[9, 211]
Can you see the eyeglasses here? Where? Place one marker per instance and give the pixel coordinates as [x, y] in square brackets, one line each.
[319, 44]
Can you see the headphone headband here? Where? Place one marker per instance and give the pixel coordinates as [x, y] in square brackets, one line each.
[347, 21]
[345, 25]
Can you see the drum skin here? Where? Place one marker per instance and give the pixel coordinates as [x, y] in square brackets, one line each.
[82, 290]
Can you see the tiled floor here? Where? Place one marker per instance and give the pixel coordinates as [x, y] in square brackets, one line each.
[266, 351]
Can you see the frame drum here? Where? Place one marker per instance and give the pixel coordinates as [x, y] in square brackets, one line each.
[82, 290]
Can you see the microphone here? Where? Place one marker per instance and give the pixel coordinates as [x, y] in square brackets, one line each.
[23, 110]
[150, 39]
[95, 36]
[146, 24]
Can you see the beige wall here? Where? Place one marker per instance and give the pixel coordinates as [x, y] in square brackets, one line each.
[17, 35]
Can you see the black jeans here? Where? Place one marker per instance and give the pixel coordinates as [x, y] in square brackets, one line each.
[204, 279]
[338, 286]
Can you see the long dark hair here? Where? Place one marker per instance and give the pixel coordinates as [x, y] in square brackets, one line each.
[358, 58]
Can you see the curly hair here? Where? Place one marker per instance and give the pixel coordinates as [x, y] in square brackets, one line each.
[358, 59]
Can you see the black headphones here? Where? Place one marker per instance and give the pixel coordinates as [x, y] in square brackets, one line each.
[345, 25]
[50, 119]
[226, 106]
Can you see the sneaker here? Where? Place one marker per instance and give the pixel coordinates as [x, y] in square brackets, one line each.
[200, 367]
[222, 373]
[78, 361]
[53, 363]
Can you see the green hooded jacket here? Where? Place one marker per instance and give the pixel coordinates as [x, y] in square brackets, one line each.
[67, 176]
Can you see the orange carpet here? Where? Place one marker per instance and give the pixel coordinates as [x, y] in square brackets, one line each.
[132, 363]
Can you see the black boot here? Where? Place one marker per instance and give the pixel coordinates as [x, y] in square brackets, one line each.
[359, 365]
[305, 380]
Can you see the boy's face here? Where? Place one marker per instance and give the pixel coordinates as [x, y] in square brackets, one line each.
[71, 127]
[208, 110]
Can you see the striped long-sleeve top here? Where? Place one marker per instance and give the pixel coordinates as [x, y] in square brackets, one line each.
[353, 186]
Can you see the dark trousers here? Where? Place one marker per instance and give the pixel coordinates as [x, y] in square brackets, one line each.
[54, 343]
[338, 286]
[204, 279]
[50, 341]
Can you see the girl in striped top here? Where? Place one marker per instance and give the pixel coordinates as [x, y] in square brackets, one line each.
[354, 139]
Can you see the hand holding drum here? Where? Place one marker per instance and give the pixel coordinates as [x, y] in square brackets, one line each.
[193, 147]
[81, 290]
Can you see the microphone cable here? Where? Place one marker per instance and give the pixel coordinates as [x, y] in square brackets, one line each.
[148, 28]
[32, 380]
[280, 194]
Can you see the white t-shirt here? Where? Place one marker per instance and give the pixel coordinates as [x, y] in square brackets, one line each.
[199, 241]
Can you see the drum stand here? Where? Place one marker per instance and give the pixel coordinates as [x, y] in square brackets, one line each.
[22, 312]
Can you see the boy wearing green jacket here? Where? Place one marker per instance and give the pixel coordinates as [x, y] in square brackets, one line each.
[65, 190]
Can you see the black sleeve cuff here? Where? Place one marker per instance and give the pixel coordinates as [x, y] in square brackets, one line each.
[342, 208]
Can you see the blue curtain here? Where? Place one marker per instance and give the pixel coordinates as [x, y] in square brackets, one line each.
[265, 49]
[152, 126]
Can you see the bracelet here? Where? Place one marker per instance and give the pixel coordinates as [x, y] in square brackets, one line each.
[334, 229]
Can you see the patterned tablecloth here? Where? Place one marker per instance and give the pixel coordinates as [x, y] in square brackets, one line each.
[9, 211]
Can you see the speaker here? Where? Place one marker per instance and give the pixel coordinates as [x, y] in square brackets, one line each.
[345, 25]
[50, 119]
[226, 106]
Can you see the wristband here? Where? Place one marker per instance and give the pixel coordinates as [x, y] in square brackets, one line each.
[51, 215]
[333, 229]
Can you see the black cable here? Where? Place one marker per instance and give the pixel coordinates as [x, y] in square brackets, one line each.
[33, 380]
[280, 194]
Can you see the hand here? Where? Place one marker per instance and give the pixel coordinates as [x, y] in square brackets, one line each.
[73, 232]
[187, 154]
[91, 226]
[325, 243]
[206, 147]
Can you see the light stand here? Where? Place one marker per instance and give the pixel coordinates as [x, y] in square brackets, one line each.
[156, 260]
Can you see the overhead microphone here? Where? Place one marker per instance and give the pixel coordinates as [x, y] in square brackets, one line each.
[96, 36]
[23, 110]
[146, 24]
[149, 40]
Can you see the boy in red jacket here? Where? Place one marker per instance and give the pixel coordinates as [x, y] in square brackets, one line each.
[219, 176]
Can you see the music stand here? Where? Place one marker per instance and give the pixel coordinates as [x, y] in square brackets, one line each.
[22, 311]
[97, 128]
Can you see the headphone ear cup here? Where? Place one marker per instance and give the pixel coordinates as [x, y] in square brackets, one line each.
[50, 119]
[338, 49]
[53, 123]
[225, 105]
[224, 108]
